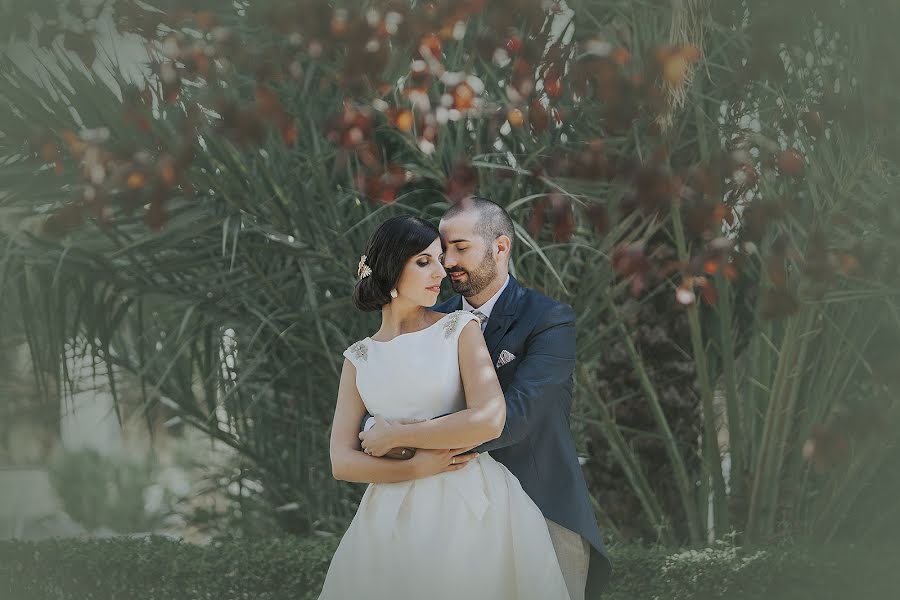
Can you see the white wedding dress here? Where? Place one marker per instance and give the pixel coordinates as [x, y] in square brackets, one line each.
[471, 534]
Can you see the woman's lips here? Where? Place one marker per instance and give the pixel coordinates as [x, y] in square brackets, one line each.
[434, 288]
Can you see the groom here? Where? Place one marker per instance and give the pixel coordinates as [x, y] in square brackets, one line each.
[531, 339]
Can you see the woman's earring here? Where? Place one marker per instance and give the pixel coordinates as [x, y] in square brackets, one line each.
[394, 293]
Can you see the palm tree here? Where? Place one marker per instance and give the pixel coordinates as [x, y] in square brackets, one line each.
[202, 233]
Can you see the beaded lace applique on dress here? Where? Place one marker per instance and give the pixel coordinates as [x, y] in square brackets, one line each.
[360, 350]
[452, 322]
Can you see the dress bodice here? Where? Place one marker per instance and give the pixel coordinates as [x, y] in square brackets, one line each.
[414, 375]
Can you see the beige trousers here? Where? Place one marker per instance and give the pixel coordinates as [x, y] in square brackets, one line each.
[574, 555]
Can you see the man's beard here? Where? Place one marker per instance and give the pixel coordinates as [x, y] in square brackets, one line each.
[477, 279]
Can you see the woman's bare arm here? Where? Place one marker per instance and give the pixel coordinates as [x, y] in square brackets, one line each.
[348, 462]
[482, 420]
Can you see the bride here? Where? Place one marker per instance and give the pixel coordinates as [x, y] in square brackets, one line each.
[447, 523]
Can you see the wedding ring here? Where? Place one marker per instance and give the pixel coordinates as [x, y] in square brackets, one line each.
[452, 461]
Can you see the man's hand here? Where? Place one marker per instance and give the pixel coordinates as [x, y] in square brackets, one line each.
[401, 453]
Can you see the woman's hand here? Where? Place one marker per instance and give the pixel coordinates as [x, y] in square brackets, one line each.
[431, 462]
[380, 439]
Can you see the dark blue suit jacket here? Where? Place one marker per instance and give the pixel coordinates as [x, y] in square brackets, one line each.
[536, 444]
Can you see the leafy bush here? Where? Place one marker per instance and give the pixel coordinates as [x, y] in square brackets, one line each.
[101, 491]
[159, 568]
[284, 567]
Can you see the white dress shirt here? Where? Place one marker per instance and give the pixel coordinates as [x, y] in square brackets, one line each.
[488, 306]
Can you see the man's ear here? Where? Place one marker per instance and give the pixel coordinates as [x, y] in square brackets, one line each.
[503, 244]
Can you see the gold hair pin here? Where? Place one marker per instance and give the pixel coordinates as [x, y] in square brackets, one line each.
[363, 270]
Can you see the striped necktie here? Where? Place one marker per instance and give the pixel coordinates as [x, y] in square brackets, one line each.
[482, 318]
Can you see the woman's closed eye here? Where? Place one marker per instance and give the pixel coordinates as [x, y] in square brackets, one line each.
[424, 263]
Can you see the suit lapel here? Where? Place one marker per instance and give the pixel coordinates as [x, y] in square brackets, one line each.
[502, 316]
[496, 328]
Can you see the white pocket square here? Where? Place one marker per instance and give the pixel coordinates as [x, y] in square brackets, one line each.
[505, 357]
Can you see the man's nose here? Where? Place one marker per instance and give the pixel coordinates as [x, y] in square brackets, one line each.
[449, 260]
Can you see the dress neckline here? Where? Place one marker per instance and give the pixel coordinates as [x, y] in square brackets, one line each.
[410, 332]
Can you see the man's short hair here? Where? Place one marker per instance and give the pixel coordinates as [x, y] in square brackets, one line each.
[493, 220]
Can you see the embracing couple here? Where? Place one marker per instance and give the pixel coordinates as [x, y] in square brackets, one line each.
[462, 411]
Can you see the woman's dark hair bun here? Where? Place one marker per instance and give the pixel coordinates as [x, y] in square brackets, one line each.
[368, 296]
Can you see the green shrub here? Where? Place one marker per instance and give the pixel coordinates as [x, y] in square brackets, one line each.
[157, 568]
[98, 490]
[718, 572]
